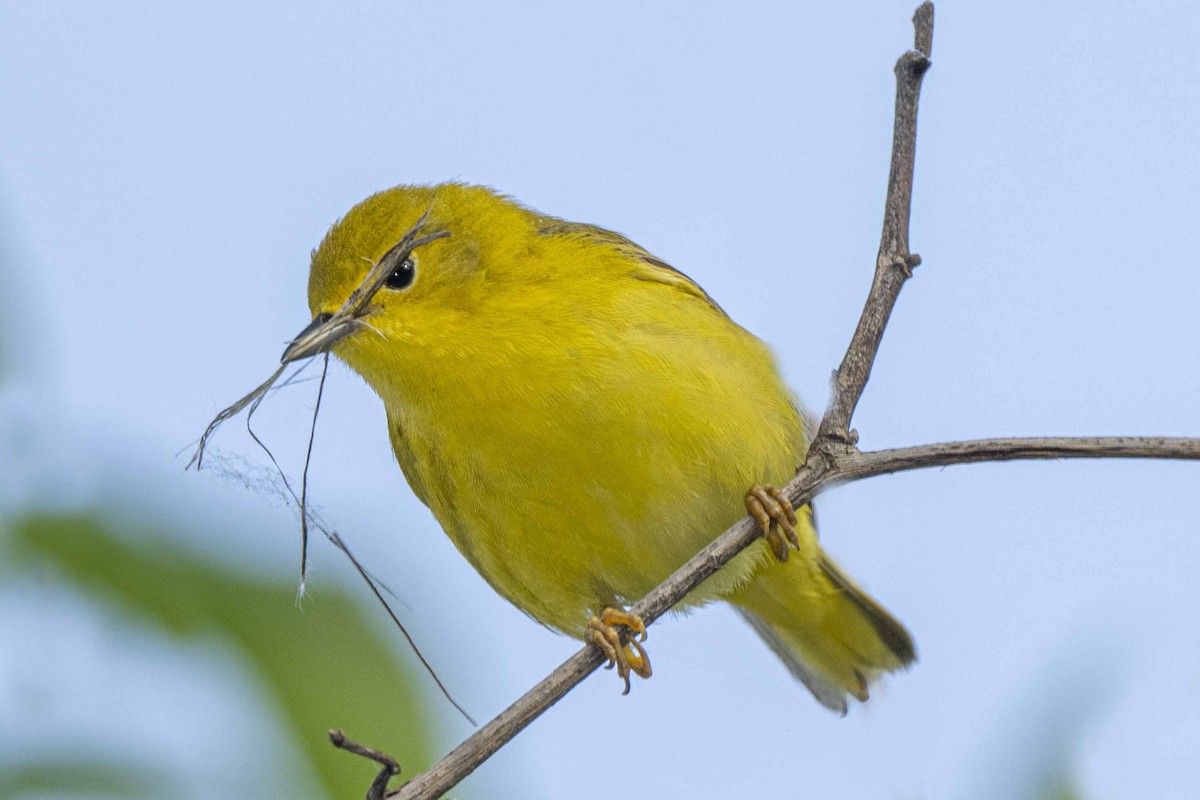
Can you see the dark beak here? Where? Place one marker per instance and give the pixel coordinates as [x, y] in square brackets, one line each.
[320, 335]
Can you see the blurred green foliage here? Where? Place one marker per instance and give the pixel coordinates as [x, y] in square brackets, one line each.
[1063, 790]
[326, 666]
[95, 778]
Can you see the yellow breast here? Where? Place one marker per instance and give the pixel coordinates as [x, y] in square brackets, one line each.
[580, 417]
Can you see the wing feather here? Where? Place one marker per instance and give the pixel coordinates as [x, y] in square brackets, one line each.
[651, 268]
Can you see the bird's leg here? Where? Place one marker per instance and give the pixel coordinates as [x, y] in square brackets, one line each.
[774, 514]
[602, 632]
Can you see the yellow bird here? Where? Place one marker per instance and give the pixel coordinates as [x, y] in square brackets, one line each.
[582, 418]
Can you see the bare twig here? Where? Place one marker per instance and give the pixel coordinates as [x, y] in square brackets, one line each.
[857, 465]
[389, 767]
[833, 457]
[836, 461]
[809, 482]
[894, 264]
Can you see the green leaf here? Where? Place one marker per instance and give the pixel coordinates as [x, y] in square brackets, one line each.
[326, 665]
[82, 779]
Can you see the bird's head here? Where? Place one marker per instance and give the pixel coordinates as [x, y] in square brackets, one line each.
[396, 277]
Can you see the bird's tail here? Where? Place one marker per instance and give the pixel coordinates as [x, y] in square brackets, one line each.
[834, 637]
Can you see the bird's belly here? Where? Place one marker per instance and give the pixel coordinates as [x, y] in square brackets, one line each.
[565, 519]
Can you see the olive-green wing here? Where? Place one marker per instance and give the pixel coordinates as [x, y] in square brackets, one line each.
[652, 268]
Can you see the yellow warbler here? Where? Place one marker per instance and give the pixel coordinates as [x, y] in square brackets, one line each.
[582, 418]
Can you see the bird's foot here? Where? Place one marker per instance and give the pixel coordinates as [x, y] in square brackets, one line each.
[602, 632]
[774, 514]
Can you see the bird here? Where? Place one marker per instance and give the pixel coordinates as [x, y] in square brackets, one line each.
[581, 418]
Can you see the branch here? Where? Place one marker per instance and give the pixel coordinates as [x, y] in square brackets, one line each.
[833, 457]
[388, 766]
[856, 465]
[809, 482]
[894, 264]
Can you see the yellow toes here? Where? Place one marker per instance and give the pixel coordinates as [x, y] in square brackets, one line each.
[775, 515]
[606, 640]
[615, 616]
[627, 656]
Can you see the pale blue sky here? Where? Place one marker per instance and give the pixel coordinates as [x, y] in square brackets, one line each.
[165, 171]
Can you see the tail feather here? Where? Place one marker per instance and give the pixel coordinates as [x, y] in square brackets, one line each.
[826, 693]
[833, 637]
[890, 631]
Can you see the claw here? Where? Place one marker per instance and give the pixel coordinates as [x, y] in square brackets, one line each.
[602, 632]
[860, 692]
[775, 515]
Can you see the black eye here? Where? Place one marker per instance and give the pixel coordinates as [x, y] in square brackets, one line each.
[402, 278]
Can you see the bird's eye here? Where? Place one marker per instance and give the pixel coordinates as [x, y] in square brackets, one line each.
[403, 277]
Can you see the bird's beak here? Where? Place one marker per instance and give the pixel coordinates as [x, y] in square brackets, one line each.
[320, 335]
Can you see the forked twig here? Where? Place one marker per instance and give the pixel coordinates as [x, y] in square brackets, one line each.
[833, 457]
[389, 767]
[893, 266]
